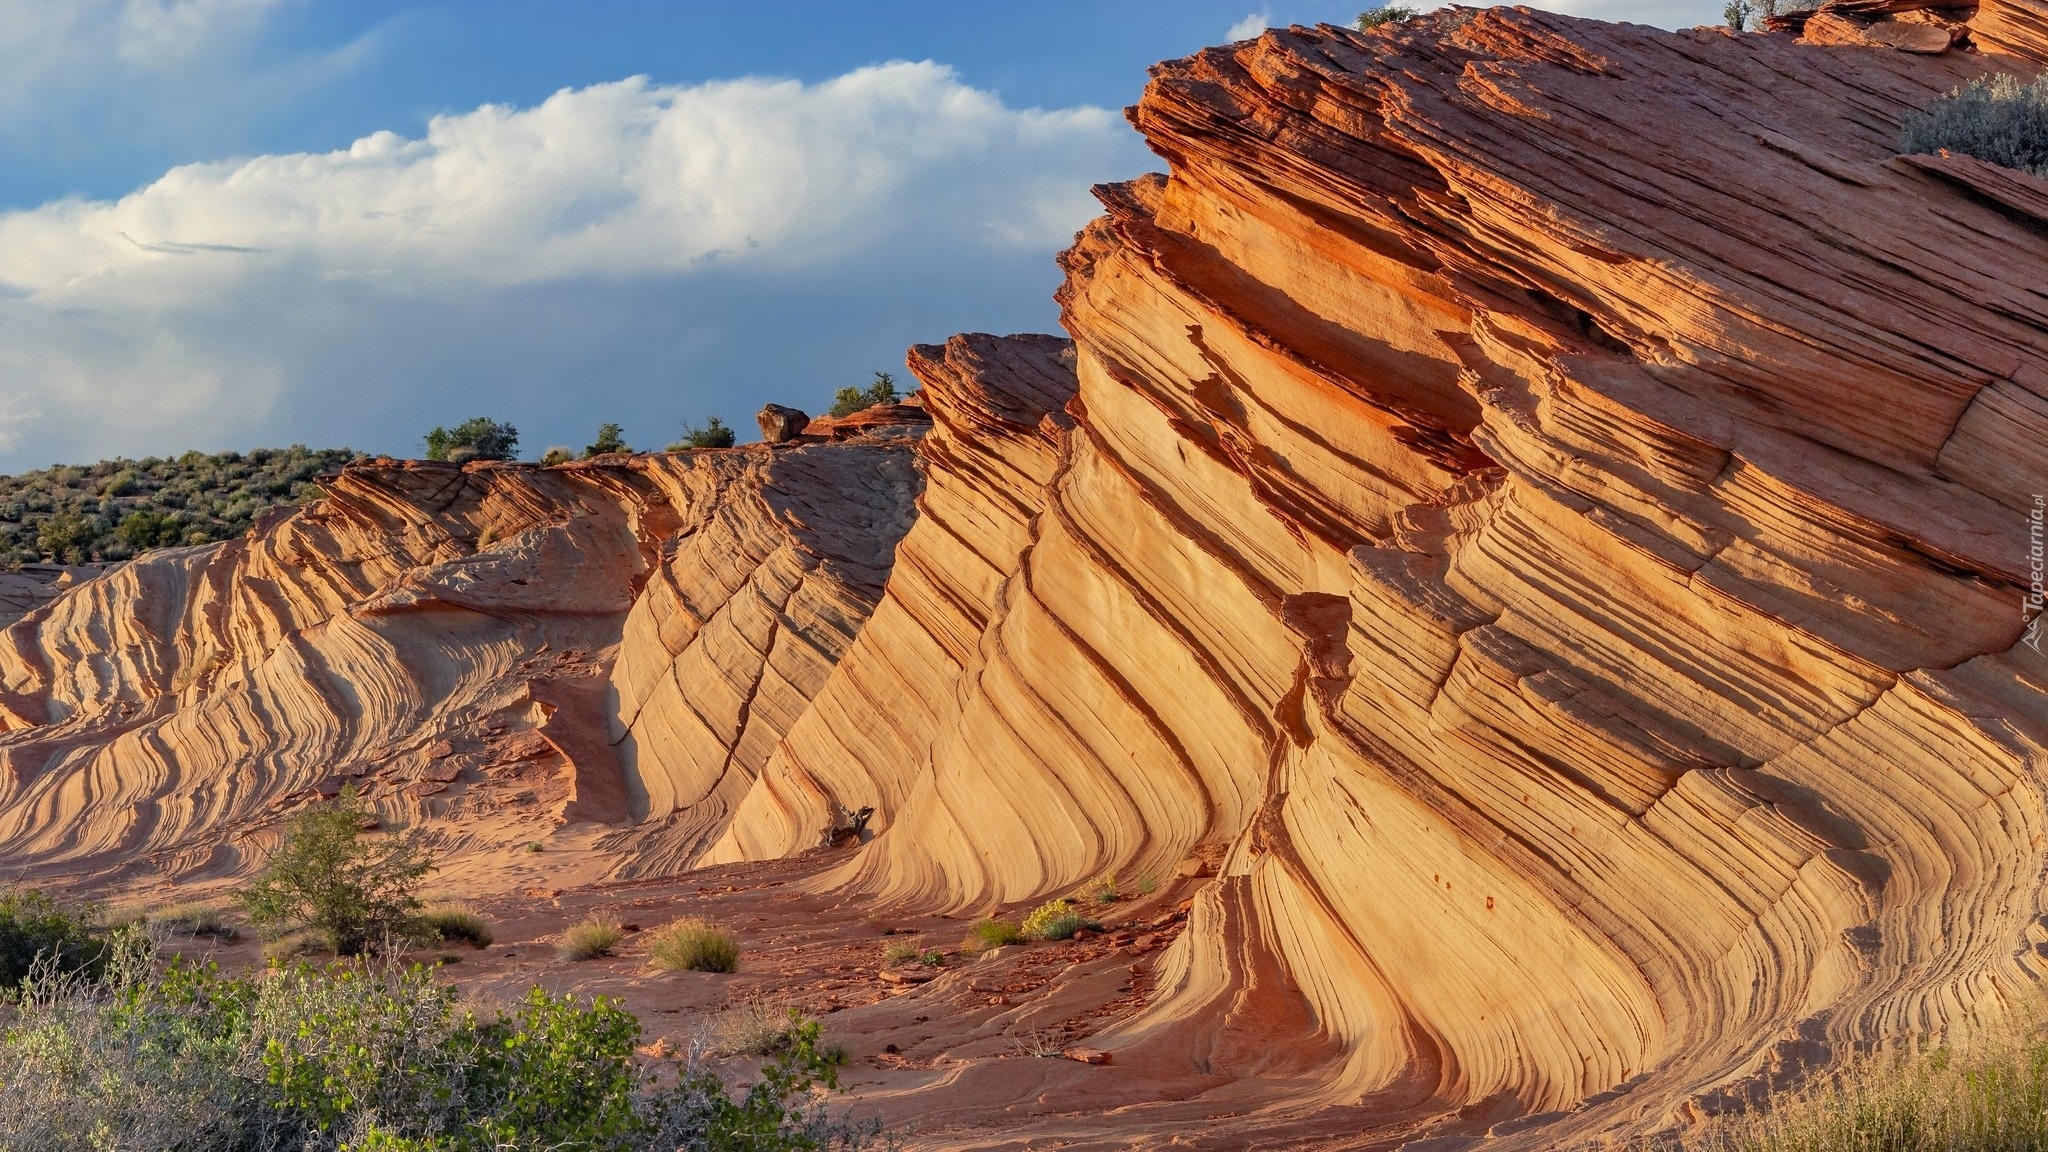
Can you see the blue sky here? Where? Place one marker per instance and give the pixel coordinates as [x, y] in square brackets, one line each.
[230, 223]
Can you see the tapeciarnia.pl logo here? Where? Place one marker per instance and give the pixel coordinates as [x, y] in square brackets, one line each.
[2037, 565]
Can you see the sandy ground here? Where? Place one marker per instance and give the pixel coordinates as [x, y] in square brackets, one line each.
[970, 1054]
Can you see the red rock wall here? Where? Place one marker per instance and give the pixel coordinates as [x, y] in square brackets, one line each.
[446, 640]
[1545, 501]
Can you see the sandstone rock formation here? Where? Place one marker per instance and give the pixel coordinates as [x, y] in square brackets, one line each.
[473, 647]
[1571, 574]
[1539, 508]
[882, 419]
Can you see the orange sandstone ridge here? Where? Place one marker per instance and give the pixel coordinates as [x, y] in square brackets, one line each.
[1540, 506]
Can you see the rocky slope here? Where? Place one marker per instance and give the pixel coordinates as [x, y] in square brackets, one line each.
[485, 651]
[1539, 508]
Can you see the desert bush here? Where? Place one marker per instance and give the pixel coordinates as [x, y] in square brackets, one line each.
[478, 438]
[694, 945]
[1056, 920]
[898, 953]
[117, 508]
[452, 920]
[610, 438]
[593, 936]
[361, 1056]
[35, 928]
[355, 891]
[983, 935]
[67, 536]
[882, 390]
[1999, 120]
[714, 434]
[1385, 14]
[1104, 889]
[556, 455]
[1988, 1096]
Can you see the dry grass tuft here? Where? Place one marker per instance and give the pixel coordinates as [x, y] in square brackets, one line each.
[694, 945]
[596, 935]
[987, 934]
[751, 1026]
[1988, 1096]
[293, 945]
[451, 920]
[215, 920]
[1038, 1042]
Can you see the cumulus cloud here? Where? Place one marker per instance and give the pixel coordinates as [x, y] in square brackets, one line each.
[1672, 14]
[633, 224]
[1250, 26]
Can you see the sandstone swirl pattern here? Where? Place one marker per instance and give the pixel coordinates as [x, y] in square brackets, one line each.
[1541, 506]
[474, 648]
[1545, 503]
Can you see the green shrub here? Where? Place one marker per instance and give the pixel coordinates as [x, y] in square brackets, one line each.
[986, 934]
[360, 1056]
[1385, 14]
[714, 434]
[478, 438]
[1999, 120]
[847, 401]
[450, 920]
[594, 936]
[693, 945]
[556, 455]
[898, 953]
[34, 927]
[1056, 920]
[932, 958]
[355, 891]
[610, 439]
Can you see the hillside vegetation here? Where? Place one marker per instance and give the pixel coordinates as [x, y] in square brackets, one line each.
[76, 514]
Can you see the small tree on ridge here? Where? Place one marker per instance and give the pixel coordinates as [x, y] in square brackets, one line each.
[478, 438]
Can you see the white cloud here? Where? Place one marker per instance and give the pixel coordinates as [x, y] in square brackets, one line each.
[1673, 14]
[228, 300]
[1250, 26]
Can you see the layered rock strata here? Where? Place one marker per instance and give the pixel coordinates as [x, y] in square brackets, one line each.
[483, 651]
[1545, 504]
[1540, 508]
